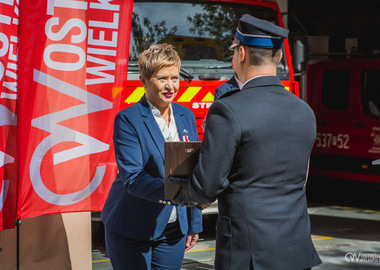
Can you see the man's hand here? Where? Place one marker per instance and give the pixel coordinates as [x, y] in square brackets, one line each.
[191, 239]
[203, 206]
[183, 198]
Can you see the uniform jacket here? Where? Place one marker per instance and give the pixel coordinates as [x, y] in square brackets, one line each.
[228, 86]
[133, 206]
[254, 159]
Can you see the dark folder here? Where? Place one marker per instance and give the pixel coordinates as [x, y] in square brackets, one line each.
[180, 160]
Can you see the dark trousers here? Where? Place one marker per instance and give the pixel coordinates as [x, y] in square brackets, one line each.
[164, 253]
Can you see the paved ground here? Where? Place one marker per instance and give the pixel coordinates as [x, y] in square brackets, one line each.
[346, 238]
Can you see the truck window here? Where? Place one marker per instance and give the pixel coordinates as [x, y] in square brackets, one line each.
[370, 92]
[335, 89]
[201, 32]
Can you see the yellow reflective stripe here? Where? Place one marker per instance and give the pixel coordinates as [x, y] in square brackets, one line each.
[320, 237]
[208, 98]
[189, 94]
[198, 250]
[136, 95]
[287, 88]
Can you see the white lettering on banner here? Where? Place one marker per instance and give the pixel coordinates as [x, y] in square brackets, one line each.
[3, 51]
[104, 65]
[12, 86]
[101, 51]
[107, 65]
[64, 48]
[104, 4]
[70, 24]
[59, 134]
[15, 21]
[4, 193]
[101, 41]
[7, 119]
[9, 46]
[5, 19]
[7, 2]
[16, 10]
[72, 4]
[5, 44]
[2, 70]
[13, 56]
[96, 37]
[4, 159]
[111, 25]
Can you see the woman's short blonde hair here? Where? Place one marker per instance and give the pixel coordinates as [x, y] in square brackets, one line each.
[157, 57]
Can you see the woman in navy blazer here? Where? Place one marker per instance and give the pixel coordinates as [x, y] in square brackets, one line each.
[142, 230]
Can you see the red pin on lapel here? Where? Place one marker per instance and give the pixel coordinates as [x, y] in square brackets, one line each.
[186, 137]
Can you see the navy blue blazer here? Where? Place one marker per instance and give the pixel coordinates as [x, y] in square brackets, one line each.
[132, 207]
[253, 159]
[228, 86]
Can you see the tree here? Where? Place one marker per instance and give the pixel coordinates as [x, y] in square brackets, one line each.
[216, 21]
[145, 34]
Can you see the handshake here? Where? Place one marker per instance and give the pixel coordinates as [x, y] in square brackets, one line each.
[184, 198]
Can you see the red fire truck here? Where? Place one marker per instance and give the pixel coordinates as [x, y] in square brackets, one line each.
[201, 31]
[345, 97]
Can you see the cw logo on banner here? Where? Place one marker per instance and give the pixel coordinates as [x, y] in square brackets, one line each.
[59, 134]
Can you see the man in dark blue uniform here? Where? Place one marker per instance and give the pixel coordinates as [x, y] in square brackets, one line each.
[231, 85]
[254, 160]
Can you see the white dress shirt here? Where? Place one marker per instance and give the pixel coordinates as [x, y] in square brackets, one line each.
[240, 84]
[170, 134]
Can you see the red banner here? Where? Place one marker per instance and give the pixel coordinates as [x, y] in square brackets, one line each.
[73, 63]
[9, 11]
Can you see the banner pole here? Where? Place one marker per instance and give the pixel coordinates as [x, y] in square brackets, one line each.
[17, 224]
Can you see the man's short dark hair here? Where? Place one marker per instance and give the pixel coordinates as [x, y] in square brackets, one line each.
[260, 56]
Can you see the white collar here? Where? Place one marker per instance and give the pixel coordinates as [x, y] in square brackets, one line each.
[240, 84]
[254, 78]
[156, 112]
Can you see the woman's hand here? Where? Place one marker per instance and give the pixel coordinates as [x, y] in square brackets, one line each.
[191, 239]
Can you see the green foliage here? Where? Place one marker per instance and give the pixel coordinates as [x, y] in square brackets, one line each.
[144, 38]
[217, 22]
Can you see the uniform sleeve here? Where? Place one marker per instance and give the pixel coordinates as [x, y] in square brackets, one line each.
[129, 159]
[218, 92]
[194, 217]
[220, 141]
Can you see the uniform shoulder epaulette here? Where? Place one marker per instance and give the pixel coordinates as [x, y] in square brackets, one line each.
[229, 93]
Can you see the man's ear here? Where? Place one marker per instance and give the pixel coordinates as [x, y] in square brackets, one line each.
[281, 55]
[142, 80]
[242, 54]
